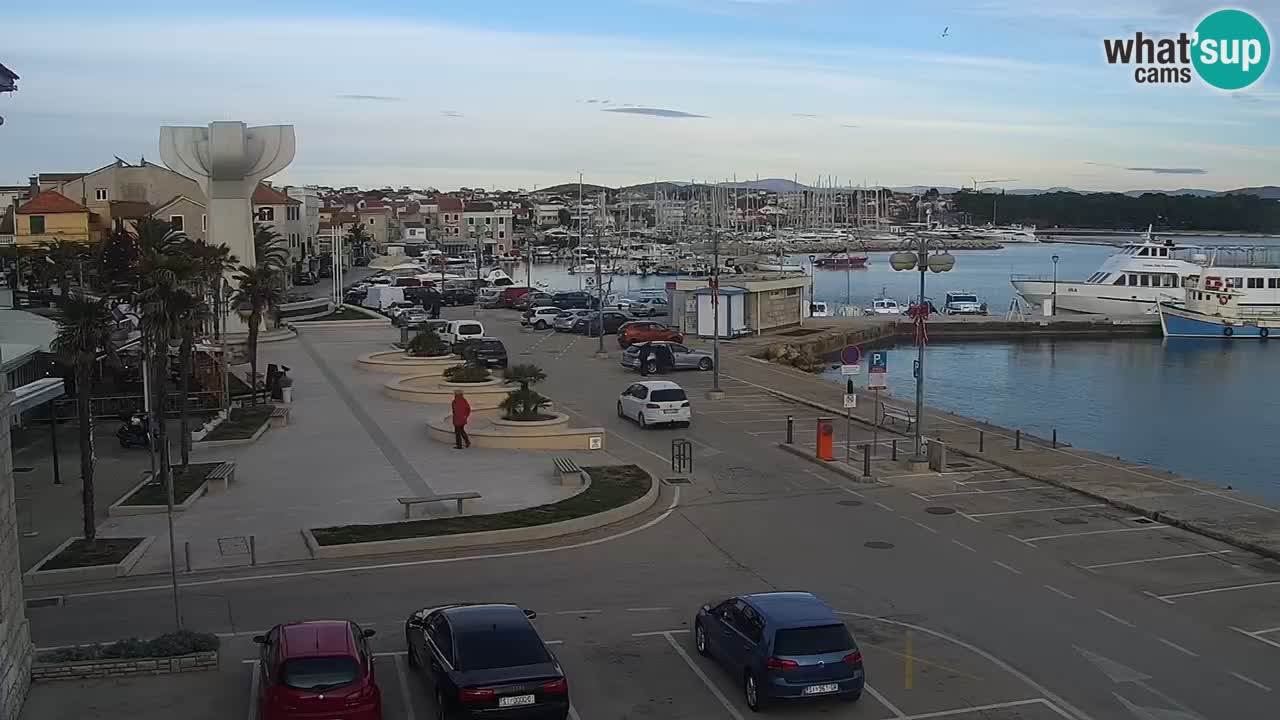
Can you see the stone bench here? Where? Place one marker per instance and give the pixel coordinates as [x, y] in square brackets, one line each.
[409, 502]
[225, 473]
[568, 470]
[894, 413]
[280, 416]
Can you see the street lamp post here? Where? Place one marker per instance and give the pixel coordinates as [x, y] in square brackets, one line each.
[1055, 284]
[914, 255]
[715, 393]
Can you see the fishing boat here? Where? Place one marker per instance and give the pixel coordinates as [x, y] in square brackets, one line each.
[1212, 309]
[841, 260]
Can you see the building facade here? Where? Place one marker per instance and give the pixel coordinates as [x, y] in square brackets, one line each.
[15, 635]
[121, 186]
[309, 196]
[281, 213]
[51, 216]
[376, 221]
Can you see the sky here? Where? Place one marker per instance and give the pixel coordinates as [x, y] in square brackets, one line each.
[518, 94]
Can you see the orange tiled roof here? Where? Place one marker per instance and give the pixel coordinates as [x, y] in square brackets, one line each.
[266, 195]
[50, 202]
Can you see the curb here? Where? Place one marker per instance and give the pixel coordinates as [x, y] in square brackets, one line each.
[488, 537]
[214, 444]
[36, 577]
[850, 474]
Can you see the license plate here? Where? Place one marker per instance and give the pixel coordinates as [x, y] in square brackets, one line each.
[515, 701]
[671, 412]
[820, 689]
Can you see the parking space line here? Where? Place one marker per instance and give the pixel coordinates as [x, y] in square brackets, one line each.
[1036, 510]
[1258, 636]
[578, 612]
[253, 690]
[1024, 542]
[1176, 646]
[883, 506]
[1251, 681]
[552, 642]
[733, 712]
[984, 708]
[967, 483]
[1153, 526]
[651, 633]
[657, 608]
[920, 524]
[404, 687]
[1109, 616]
[1154, 559]
[755, 420]
[1211, 591]
[985, 492]
[897, 713]
[1063, 593]
[1010, 568]
[966, 547]
[573, 712]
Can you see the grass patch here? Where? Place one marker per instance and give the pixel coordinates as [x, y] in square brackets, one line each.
[185, 482]
[87, 553]
[342, 313]
[241, 424]
[174, 644]
[611, 486]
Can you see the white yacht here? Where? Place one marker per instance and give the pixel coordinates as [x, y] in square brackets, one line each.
[1131, 281]
[1006, 234]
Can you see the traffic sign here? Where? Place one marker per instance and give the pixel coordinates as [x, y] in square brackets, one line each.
[850, 400]
[850, 369]
[879, 370]
[850, 355]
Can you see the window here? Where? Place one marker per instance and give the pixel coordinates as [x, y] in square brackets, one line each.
[502, 235]
[319, 672]
[438, 634]
[266, 214]
[204, 222]
[488, 221]
[1142, 252]
[1255, 282]
[485, 649]
[1273, 283]
[752, 624]
[471, 221]
[373, 221]
[1235, 282]
[813, 640]
[100, 194]
[793, 292]
[1144, 280]
[291, 212]
[1168, 281]
[177, 222]
[668, 395]
[37, 224]
[1133, 279]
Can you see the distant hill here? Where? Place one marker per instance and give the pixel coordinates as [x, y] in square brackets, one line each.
[563, 188]
[1266, 192]
[768, 185]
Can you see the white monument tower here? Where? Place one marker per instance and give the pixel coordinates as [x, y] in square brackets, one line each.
[228, 159]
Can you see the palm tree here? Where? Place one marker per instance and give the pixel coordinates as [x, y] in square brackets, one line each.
[358, 240]
[269, 248]
[259, 295]
[84, 329]
[213, 262]
[192, 313]
[65, 259]
[164, 300]
[117, 261]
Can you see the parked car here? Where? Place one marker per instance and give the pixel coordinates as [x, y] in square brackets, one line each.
[963, 303]
[781, 645]
[540, 318]
[479, 660]
[380, 280]
[482, 351]
[684, 357]
[457, 330]
[536, 298]
[590, 323]
[410, 318]
[648, 307]
[511, 294]
[646, 331]
[568, 318]
[457, 296]
[395, 309]
[574, 299]
[655, 402]
[317, 669]
[424, 295]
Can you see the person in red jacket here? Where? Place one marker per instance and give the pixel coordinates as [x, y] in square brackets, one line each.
[461, 413]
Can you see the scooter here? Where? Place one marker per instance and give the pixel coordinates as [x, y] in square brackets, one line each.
[134, 431]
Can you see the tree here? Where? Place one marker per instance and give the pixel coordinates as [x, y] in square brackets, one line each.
[192, 313]
[525, 403]
[358, 240]
[213, 262]
[259, 295]
[84, 329]
[65, 259]
[269, 248]
[117, 261]
[165, 301]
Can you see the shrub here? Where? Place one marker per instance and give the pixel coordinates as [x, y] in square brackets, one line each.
[526, 374]
[427, 344]
[183, 642]
[466, 374]
[525, 404]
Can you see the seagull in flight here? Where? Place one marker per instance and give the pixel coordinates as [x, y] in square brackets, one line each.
[944, 31]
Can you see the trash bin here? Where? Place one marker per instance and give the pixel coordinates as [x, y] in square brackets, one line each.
[286, 394]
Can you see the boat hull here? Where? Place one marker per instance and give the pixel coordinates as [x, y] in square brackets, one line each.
[1180, 322]
[1078, 297]
[856, 262]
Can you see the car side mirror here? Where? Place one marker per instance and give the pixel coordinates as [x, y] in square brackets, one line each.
[706, 608]
[260, 639]
[529, 613]
[369, 632]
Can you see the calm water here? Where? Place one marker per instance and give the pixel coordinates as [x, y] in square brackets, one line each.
[1204, 409]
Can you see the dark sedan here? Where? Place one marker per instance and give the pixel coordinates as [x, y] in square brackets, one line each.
[589, 324]
[483, 352]
[457, 296]
[486, 661]
[781, 645]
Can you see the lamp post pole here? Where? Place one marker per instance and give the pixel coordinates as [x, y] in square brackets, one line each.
[914, 255]
[1055, 284]
[715, 393]
[600, 351]
[919, 455]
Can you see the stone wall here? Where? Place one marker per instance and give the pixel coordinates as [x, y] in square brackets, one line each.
[195, 662]
[777, 309]
[15, 639]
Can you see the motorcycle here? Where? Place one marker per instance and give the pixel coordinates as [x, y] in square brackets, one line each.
[134, 431]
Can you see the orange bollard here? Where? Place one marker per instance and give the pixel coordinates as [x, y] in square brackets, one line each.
[826, 438]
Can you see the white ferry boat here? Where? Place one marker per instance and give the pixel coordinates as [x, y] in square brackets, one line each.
[1213, 310]
[1132, 281]
[1006, 234]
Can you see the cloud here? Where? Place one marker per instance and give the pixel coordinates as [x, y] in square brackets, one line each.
[451, 113]
[803, 115]
[372, 98]
[655, 112]
[1169, 171]
[849, 125]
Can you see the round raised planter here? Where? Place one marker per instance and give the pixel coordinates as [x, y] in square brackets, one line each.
[554, 434]
[558, 422]
[397, 362]
[432, 389]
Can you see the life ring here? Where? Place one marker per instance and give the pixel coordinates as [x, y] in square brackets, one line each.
[1228, 331]
[1264, 333]
[1222, 299]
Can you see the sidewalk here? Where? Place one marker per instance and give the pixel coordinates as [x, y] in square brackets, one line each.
[348, 452]
[1191, 504]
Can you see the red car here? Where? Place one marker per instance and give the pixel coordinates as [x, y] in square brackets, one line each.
[317, 669]
[639, 331]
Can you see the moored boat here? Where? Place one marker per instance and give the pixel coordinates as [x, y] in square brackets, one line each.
[1212, 309]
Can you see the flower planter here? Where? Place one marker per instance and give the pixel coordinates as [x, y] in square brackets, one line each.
[558, 422]
[397, 362]
[124, 667]
[37, 575]
[432, 389]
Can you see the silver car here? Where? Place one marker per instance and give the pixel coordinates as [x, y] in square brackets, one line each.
[648, 307]
[565, 321]
[685, 357]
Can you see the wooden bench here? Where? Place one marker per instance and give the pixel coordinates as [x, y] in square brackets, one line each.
[279, 416]
[568, 470]
[895, 413]
[224, 473]
[409, 502]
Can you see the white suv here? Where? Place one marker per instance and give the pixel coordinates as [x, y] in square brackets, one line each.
[655, 402]
[540, 318]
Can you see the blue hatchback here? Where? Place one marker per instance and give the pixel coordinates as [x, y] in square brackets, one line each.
[781, 645]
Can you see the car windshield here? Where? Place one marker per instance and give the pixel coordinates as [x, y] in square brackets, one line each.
[668, 395]
[964, 298]
[469, 330]
[818, 640]
[487, 649]
[489, 346]
[319, 673]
